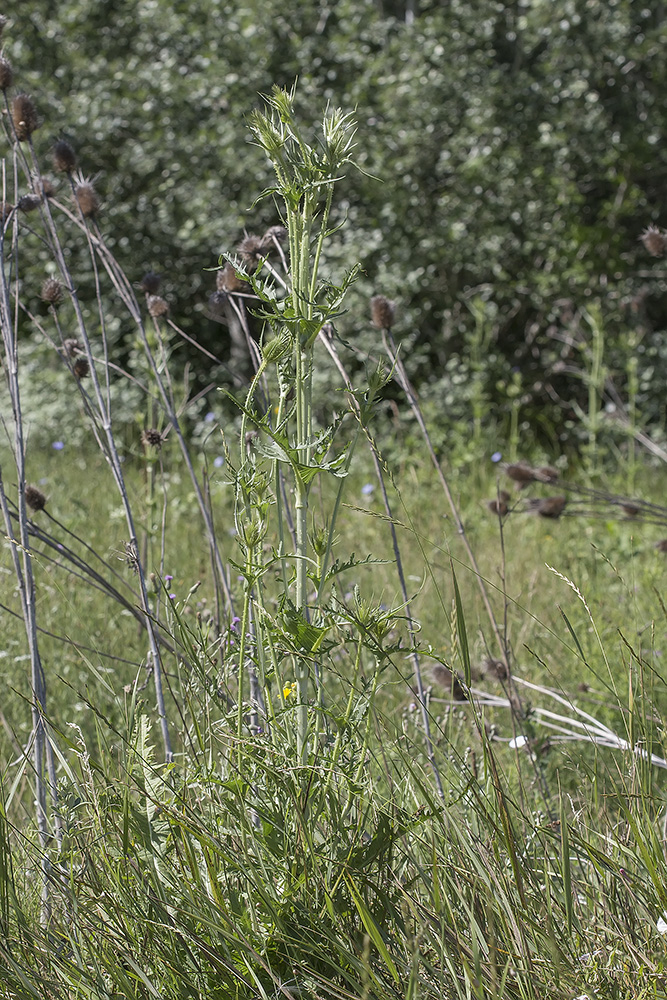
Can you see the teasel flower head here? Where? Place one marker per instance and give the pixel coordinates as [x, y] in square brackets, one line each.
[81, 368]
[654, 240]
[64, 157]
[383, 312]
[34, 498]
[151, 438]
[227, 280]
[6, 74]
[150, 283]
[24, 117]
[28, 203]
[87, 199]
[52, 292]
[551, 507]
[157, 306]
[251, 249]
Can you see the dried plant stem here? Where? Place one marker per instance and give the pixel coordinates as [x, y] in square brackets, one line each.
[402, 379]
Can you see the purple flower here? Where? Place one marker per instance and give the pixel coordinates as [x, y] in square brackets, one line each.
[218, 461]
[210, 417]
[235, 621]
[172, 597]
[367, 489]
[58, 445]
[497, 455]
[168, 577]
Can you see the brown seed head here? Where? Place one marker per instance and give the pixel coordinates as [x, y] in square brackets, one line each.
[551, 507]
[24, 117]
[34, 498]
[521, 473]
[227, 280]
[273, 235]
[383, 312]
[157, 306]
[654, 240]
[64, 157]
[661, 546]
[52, 292]
[444, 677]
[216, 304]
[630, 509]
[150, 283]
[28, 203]
[86, 198]
[499, 506]
[48, 190]
[251, 249]
[5, 211]
[547, 474]
[6, 74]
[81, 368]
[72, 348]
[151, 438]
[497, 668]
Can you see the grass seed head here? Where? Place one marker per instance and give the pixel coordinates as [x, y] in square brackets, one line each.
[34, 498]
[64, 157]
[52, 292]
[24, 117]
[383, 312]
[654, 240]
[6, 74]
[157, 306]
[87, 199]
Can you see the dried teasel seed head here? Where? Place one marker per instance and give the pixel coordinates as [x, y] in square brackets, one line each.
[654, 240]
[383, 312]
[48, 190]
[272, 235]
[5, 211]
[227, 280]
[52, 292]
[72, 348]
[87, 199]
[497, 668]
[28, 203]
[499, 506]
[551, 507]
[157, 306]
[547, 474]
[630, 509]
[24, 117]
[216, 304]
[661, 546]
[81, 368]
[6, 74]
[64, 157]
[34, 498]
[251, 250]
[444, 677]
[151, 438]
[521, 473]
[150, 283]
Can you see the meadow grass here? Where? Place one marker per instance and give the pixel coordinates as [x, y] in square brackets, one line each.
[286, 729]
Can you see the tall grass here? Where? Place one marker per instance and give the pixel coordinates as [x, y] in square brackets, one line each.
[265, 794]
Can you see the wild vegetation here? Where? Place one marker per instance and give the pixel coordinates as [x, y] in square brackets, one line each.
[313, 691]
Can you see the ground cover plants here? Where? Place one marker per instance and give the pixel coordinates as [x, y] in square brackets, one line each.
[296, 721]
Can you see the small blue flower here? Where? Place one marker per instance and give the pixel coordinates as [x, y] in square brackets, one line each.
[218, 461]
[497, 455]
[172, 597]
[367, 489]
[58, 445]
[210, 417]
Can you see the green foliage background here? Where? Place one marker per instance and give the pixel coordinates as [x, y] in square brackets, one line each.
[512, 153]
